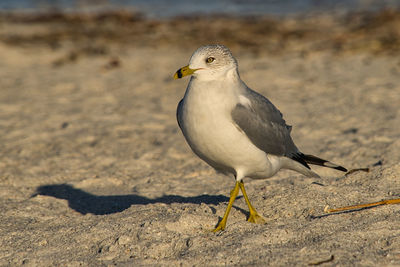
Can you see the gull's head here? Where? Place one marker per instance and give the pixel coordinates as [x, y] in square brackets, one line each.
[209, 62]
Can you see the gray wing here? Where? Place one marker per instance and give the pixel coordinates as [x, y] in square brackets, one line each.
[264, 125]
[178, 113]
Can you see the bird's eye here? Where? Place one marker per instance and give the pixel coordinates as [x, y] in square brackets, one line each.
[210, 59]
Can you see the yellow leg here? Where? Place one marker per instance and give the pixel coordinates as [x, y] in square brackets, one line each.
[222, 223]
[254, 217]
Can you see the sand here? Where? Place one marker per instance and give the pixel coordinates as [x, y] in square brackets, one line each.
[95, 172]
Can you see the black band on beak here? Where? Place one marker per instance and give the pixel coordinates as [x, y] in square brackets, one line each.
[179, 72]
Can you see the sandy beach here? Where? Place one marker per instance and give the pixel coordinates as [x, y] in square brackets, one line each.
[94, 170]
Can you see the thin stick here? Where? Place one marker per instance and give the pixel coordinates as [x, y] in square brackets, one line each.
[331, 258]
[356, 170]
[361, 206]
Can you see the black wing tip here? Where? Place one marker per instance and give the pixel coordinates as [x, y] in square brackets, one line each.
[300, 159]
[310, 159]
[340, 168]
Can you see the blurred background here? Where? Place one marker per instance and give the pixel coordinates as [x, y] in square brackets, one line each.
[165, 8]
[304, 26]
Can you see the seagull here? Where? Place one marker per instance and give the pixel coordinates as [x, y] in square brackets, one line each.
[234, 129]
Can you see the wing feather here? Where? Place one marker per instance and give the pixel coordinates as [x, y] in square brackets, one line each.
[178, 113]
[264, 125]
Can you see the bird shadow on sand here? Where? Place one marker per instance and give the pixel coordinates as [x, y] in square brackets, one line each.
[84, 202]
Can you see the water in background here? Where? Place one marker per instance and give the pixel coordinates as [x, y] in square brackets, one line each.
[169, 8]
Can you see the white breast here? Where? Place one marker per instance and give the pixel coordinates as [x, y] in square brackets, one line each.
[208, 128]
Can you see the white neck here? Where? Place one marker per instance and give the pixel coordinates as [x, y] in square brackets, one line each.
[210, 75]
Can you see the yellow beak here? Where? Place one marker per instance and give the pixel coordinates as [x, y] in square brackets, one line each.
[184, 71]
